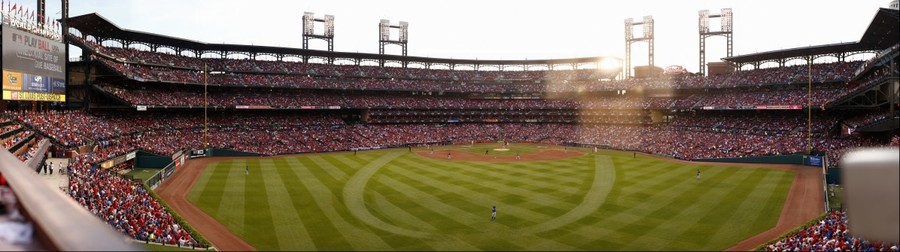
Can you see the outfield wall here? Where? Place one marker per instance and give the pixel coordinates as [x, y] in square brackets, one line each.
[213, 152]
[149, 160]
[817, 159]
[810, 160]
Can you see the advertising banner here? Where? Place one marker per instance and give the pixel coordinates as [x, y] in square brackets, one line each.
[12, 80]
[780, 107]
[57, 86]
[32, 96]
[35, 83]
[28, 53]
[34, 67]
[814, 160]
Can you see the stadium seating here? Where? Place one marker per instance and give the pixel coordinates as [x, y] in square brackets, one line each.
[155, 66]
[829, 234]
[159, 96]
[688, 136]
[123, 203]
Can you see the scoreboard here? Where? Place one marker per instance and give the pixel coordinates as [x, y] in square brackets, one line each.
[34, 67]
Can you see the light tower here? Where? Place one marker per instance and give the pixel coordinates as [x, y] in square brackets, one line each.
[309, 28]
[384, 35]
[629, 39]
[41, 11]
[726, 18]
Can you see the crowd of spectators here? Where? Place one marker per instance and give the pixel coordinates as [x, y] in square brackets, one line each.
[819, 97]
[31, 149]
[159, 96]
[551, 116]
[135, 56]
[15, 139]
[9, 139]
[687, 136]
[877, 77]
[124, 204]
[356, 82]
[869, 118]
[68, 128]
[167, 67]
[829, 234]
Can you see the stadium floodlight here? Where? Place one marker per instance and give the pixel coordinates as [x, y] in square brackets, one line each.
[404, 31]
[384, 36]
[629, 32]
[309, 30]
[647, 23]
[726, 30]
[308, 23]
[329, 26]
[648, 26]
[726, 20]
[704, 21]
[384, 32]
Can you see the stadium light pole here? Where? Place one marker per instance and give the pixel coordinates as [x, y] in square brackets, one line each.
[809, 146]
[205, 105]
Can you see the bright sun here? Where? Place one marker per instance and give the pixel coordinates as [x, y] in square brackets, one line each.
[608, 64]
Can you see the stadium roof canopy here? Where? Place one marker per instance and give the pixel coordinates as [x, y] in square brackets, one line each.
[98, 26]
[881, 34]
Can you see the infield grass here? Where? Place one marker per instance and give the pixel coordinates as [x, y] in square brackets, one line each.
[512, 149]
[397, 200]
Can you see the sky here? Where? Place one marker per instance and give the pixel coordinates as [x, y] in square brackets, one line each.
[481, 29]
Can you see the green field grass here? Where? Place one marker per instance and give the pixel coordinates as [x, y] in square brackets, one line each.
[143, 173]
[397, 200]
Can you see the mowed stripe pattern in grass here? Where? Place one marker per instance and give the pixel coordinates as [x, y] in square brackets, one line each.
[298, 203]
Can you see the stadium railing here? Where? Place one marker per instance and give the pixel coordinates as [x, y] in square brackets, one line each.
[156, 179]
[59, 222]
[38, 158]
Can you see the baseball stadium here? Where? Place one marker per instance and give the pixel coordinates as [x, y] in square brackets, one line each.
[166, 142]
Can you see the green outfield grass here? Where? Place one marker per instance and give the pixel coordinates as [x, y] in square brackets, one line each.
[397, 200]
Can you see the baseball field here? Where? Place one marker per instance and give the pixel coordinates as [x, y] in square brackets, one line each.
[547, 199]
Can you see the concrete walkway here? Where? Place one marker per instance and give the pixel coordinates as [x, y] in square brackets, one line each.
[57, 180]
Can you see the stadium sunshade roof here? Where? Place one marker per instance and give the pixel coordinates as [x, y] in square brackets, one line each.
[881, 34]
[96, 25]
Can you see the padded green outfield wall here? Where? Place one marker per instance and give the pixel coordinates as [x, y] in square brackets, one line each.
[780, 159]
[149, 160]
[230, 153]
